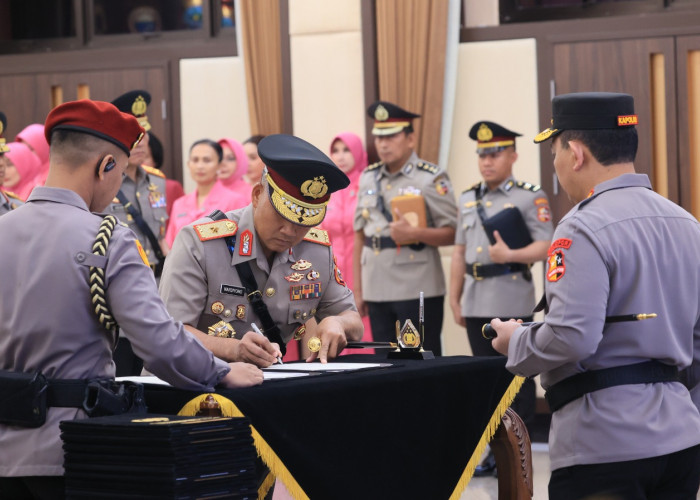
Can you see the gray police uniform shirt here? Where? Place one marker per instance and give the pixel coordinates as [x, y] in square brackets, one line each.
[8, 202]
[47, 321]
[623, 250]
[200, 285]
[499, 296]
[400, 274]
[147, 195]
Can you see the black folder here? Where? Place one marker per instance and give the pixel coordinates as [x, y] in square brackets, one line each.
[510, 225]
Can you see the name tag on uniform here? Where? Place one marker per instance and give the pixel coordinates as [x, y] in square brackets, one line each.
[233, 290]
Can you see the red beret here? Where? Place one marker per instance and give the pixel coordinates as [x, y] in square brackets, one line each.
[97, 118]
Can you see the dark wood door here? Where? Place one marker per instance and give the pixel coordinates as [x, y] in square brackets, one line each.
[29, 98]
[644, 68]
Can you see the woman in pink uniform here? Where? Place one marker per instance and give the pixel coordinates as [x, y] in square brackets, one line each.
[234, 166]
[33, 136]
[204, 163]
[22, 169]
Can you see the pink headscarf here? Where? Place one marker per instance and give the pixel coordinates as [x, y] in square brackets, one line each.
[241, 160]
[27, 165]
[33, 135]
[354, 144]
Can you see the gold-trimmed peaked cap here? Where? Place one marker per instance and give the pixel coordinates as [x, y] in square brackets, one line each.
[300, 178]
[3, 126]
[135, 102]
[389, 119]
[590, 111]
[491, 137]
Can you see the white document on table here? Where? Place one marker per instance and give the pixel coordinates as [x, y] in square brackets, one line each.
[320, 367]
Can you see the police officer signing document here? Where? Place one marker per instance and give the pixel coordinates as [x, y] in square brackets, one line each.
[623, 425]
[266, 264]
[50, 285]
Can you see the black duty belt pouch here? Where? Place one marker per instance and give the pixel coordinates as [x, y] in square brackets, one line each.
[23, 399]
[107, 397]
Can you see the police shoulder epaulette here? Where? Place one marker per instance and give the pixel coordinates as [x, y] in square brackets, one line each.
[428, 167]
[215, 230]
[374, 166]
[316, 235]
[13, 195]
[153, 170]
[526, 185]
[472, 188]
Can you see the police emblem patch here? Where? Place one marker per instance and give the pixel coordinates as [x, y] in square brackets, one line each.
[556, 266]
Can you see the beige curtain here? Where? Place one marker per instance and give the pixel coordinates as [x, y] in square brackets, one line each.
[411, 44]
[260, 26]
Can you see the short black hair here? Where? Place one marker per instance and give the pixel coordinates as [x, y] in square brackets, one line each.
[254, 139]
[214, 145]
[608, 146]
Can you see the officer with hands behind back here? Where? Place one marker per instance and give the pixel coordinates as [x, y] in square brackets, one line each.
[89, 275]
[266, 264]
[623, 425]
[396, 254]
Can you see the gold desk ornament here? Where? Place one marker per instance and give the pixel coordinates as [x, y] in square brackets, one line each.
[410, 339]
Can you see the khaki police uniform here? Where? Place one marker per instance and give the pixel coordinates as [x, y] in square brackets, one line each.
[9, 201]
[201, 287]
[48, 322]
[509, 295]
[147, 195]
[390, 273]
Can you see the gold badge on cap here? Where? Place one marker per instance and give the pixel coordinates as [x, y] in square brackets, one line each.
[484, 133]
[314, 344]
[139, 106]
[315, 188]
[381, 114]
[217, 307]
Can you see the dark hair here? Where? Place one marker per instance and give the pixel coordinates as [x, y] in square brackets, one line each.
[156, 148]
[608, 146]
[214, 145]
[254, 139]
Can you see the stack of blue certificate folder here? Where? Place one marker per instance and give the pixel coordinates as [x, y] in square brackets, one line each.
[158, 456]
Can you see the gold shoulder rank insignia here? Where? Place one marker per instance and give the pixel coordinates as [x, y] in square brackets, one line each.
[428, 167]
[316, 235]
[526, 185]
[142, 253]
[13, 195]
[215, 230]
[154, 171]
[472, 188]
[374, 166]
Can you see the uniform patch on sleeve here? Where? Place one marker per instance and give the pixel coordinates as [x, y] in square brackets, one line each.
[441, 185]
[544, 214]
[214, 230]
[556, 266]
[338, 275]
[142, 253]
[564, 243]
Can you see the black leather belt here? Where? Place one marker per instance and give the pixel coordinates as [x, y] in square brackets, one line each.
[480, 271]
[378, 243]
[574, 387]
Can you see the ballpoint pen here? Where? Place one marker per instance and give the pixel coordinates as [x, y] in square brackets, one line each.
[257, 330]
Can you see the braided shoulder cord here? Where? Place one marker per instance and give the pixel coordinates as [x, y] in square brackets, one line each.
[97, 274]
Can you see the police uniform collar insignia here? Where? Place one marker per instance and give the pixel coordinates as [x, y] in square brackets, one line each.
[246, 246]
[408, 168]
[215, 230]
[316, 235]
[508, 186]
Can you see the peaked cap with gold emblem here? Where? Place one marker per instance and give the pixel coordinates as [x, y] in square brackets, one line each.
[590, 111]
[491, 137]
[389, 119]
[135, 103]
[300, 178]
[3, 126]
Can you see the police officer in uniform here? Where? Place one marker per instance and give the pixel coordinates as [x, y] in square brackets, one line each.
[623, 425]
[141, 205]
[394, 260]
[8, 200]
[487, 279]
[51, 284]
[268, 259]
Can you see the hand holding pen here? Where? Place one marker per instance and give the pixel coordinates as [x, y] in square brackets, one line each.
[257, 330]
